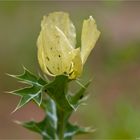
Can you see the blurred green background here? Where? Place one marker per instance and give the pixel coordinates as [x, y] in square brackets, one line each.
[114, 103]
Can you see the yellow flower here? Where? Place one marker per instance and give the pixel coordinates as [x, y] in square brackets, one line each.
[57, 52]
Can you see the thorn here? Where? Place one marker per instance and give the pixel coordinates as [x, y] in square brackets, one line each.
[18, 107]
[14, 110]
[24, 67]
[8, 92]
[11, 75]
[17, 122]
[79, 83]
[83, 86]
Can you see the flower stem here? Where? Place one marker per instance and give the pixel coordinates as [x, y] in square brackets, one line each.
[60, 123]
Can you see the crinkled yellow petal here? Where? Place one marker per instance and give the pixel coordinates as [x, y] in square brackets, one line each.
[63, 22]
[77, 65]
[54, 51]
[41, 54]
[56, 45]
[90, 35]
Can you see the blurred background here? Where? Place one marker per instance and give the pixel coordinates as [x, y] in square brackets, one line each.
[114, 103]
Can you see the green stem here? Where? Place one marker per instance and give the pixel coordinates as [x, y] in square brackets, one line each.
[60, 123]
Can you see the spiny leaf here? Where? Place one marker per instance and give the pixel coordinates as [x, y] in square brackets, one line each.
[27, 94]
[47, 127]
[73, 129]
[29, 78]
[50, 110]
[38, 98]
[57, 90]
[38, 128]
[34, 92]
[80, 94]
[24, 100]
[26, 91]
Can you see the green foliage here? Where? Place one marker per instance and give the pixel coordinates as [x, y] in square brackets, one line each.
[77, 98]
[54, 98]
[57, 90]
[32, 92]
[73, 129]
[47, 128]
